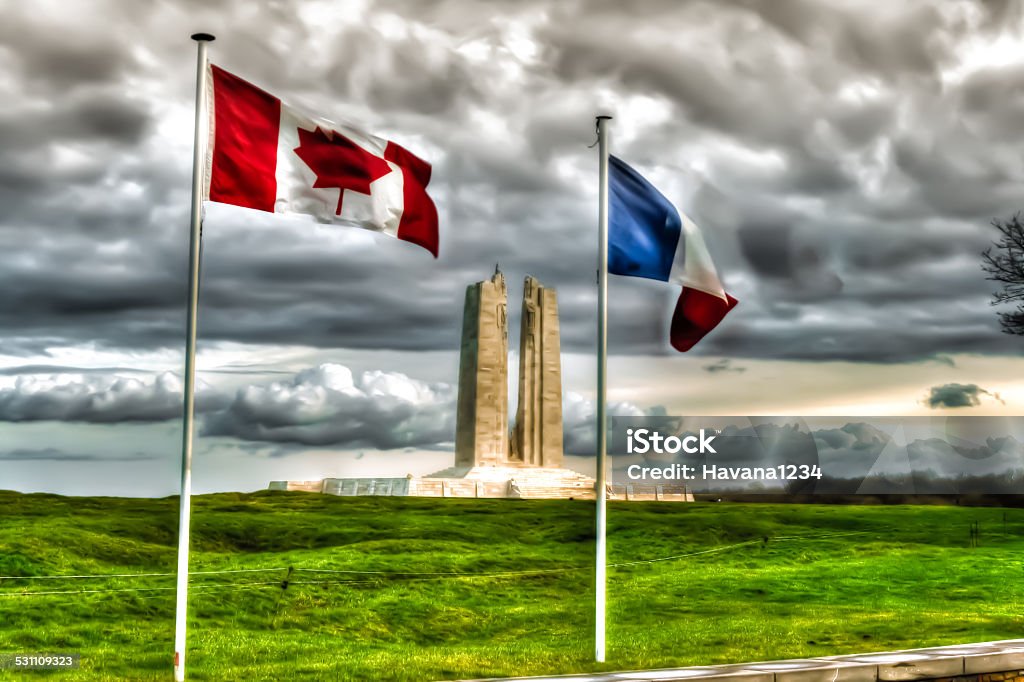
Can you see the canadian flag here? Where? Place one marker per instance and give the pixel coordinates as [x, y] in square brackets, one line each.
[270, 157]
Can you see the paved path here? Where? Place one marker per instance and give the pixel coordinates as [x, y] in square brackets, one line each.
[890, 666]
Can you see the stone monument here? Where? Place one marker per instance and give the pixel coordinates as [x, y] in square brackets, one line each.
[482, 437]
[537, 440]
[481, 432]
[526, 460]
[492, 460]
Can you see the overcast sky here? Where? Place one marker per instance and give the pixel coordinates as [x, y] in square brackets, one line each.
[844, 165]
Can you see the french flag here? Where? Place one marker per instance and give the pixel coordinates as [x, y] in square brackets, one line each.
[268, 156]
[647, 237]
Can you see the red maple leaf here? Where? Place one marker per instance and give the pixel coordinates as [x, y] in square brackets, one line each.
[339, 162]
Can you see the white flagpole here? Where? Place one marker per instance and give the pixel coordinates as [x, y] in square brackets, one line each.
[195, 241]
[600, 573]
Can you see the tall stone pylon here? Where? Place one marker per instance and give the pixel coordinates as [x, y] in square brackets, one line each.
[537, 440]
[481, 422]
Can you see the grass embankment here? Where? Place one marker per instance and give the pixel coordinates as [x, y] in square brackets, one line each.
[847, 579]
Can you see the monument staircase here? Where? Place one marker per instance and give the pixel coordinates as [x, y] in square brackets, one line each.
[523, 482]
[552, 484]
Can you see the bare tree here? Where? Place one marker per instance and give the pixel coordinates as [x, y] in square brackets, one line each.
[1003, 262]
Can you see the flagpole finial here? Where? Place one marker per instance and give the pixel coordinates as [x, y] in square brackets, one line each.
[202, 37]
[597, 128]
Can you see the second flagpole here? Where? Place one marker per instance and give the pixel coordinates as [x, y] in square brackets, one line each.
[195, 242]
[601, 553]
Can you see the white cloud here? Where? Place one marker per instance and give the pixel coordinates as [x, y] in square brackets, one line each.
[331, 405]
[579, 418]
[100, 398]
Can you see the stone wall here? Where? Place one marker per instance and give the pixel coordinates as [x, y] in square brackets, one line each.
[306, 486]
[436, 487]
[1010, 676]
[526, 483]
[637, 492]
[1001, 661]
[366, 486]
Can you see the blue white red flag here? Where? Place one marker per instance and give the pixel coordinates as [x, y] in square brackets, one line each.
[648, 237]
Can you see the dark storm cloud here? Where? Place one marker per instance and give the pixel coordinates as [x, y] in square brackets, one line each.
[949, 464]
[873, 249]
[743, 82]
[55, 455]
[767, 249]
[957, 395]
[53, 55]
[843, 165]
[792, 265]
[849, 437]
[411, 74]
[82, 117]
[61, 369]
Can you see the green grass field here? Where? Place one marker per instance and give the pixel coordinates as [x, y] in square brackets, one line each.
[809, 580]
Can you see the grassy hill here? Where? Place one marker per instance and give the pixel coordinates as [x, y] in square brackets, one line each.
[757, 582]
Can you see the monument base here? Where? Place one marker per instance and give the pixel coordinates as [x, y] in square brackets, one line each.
[480, 481]
[509, 482]
[520, 481]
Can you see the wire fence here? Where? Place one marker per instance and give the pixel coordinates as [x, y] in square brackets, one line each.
[375, 577]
